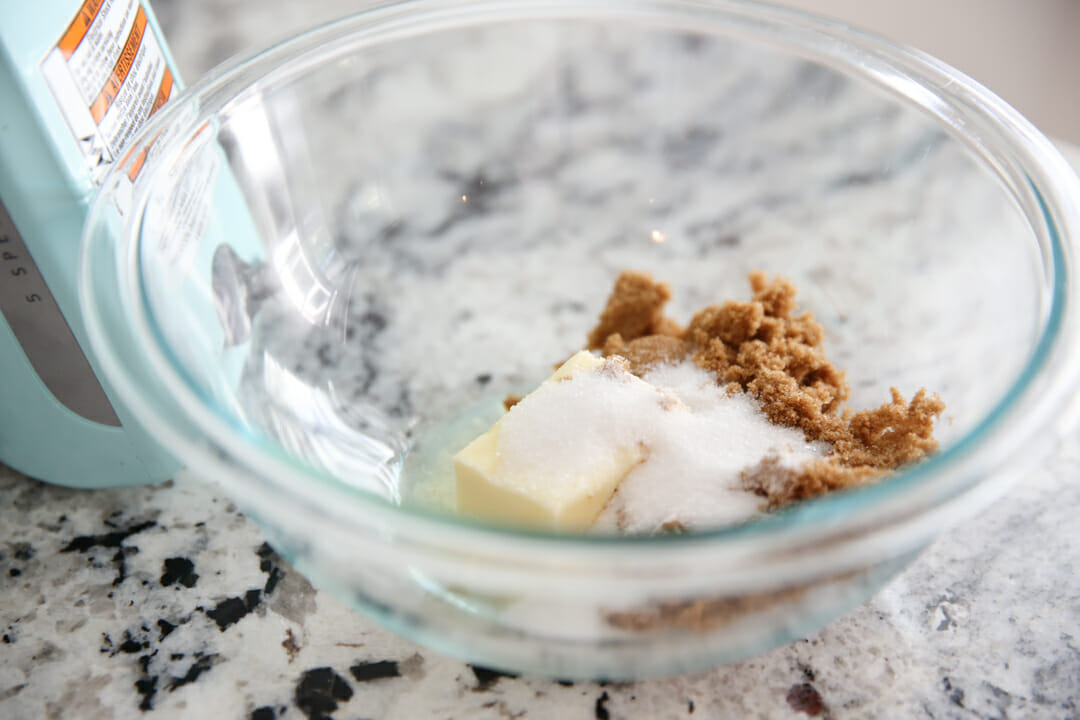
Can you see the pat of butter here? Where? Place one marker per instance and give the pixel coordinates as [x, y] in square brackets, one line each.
[578, 463]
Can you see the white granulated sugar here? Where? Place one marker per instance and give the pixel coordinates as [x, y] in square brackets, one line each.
[563, 430]
[696, 447]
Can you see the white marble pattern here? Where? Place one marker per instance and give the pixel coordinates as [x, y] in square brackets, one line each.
[164, 602]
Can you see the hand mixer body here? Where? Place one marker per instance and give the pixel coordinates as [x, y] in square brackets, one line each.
[57, 422]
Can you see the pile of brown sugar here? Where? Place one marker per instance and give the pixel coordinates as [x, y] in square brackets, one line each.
[763, 348]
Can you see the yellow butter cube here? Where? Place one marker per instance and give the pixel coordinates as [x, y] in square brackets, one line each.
[565, 485]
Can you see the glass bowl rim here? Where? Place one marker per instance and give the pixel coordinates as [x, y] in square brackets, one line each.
[267, 463]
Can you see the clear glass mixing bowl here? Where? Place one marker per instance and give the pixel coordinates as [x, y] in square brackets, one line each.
[318, 272]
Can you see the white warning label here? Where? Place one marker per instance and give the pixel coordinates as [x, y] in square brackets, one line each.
[108, 74]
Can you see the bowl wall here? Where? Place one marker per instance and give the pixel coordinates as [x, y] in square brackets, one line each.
[339, 258]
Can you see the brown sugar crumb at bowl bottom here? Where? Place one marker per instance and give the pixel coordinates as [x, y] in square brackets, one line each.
[764, 348]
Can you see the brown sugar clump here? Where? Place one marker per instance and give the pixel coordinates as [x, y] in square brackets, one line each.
[782, 485]
[763, 348]
[732, 323]
[647, 352]
[635, 309]
[895, 433]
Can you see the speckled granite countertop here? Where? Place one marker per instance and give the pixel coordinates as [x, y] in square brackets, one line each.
[165, 601]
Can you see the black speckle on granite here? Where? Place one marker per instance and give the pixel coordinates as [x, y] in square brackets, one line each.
[270, 563]
[804, 698]
[7, 639]
[147, 687]
[230, 610]
[178, 570]
[119, 561]
[366, 671]
[131, 645]
[14, 572]
[486, 677]
[22, 550]
[165, 627]
[483, 378]
[144, 661]
[319, 692]
[566, 683]
[202, 664]
[272, 581]
[113, 539]
[265, 552]
[601, 710]
[956, 695]
[689, 707]
[263, 713]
